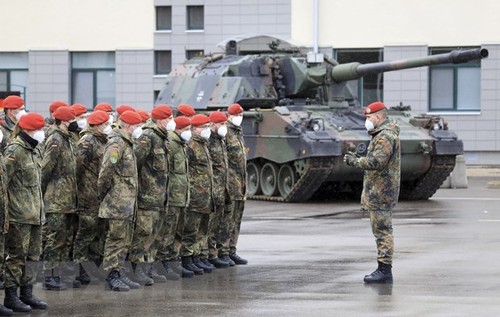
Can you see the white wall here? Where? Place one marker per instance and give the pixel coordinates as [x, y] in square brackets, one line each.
[76, 25]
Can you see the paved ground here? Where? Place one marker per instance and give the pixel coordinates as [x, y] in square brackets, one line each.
[309, 260]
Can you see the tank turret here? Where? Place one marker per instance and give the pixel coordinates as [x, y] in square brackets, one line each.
[301, 118]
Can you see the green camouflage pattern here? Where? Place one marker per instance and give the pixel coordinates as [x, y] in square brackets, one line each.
[238, 206]
[7, 126]
[142, 235]
[191, 225]
[118, 179]
[89, 239]
[236, 156]
[151, 152]
[4, 215]
[59, 174]
[218, 156]
[59, 239]
[118, 241]
[169, 236]
[200, 175]
[178, 177]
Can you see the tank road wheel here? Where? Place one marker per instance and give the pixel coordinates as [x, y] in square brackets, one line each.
[286, 180]
[253, 179]
[269, 179]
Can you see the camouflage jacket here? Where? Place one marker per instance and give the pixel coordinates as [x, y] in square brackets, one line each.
[4, 216]
[22, 177]
[236, 156]
[117, 183]
[6, 126]
[200, 175]
[89, 152]
[151, 152]
[218, 154]
[178, 178]
[382, 168]
[59, 174]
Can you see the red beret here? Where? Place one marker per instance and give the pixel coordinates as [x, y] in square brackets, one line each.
[31, 121]
[104, 106]
[234, 109]
[98, 117]
[64, 114]
[199, 119]
[121, 109]
[374, 107]
[13, 102]
[182, 122]
[56, 104]
[144, 115]
[218, 116]
[161, 112]
[131, 117]
[186, 110]
[78, 109]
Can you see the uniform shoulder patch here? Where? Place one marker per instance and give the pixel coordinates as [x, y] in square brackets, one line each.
[113, 157]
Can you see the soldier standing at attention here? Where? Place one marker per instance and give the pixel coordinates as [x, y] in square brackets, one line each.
[59, 196]
[106, 107]
[380, 184]
[218, 154]
[151, 152]
[201, 200]
[80, 112]
[178, 197]
[13, 107]
[237, 177]
[49, 121]
[117, 193]
[89, 153]
[25, 211]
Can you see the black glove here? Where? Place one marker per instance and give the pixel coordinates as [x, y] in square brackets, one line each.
[350, 158]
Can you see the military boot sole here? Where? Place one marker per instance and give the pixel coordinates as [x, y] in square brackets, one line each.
[54, 288]
[378, 279]
[34, 304]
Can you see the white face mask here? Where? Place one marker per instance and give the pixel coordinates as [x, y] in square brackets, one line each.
[170, 125]
[369, 125]
[222, 131]
[82, 123]
[20, 114]
[39, 136]
[205, 133]
[110, 120]
[237, 120]
[1, 136]
[186, 135]
[137, 133]
[107, 130]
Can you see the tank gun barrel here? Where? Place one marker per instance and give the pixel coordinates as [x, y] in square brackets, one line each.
[350, 71]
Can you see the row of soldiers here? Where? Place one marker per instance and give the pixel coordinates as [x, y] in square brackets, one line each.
[164, 194]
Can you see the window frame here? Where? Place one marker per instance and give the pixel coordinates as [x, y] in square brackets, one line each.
[9, 80]
[195, 52]
[94, 72]
[189, 27]
[156, 73]
[156, 16]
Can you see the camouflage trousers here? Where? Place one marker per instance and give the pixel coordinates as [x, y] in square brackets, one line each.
[381, 221]
[117, 244]
[192, 222]
[59, 239]
[2, 253]
[23, 246]
[225, 231]
[237, 215]
[89, 240]
[214, 231]
[169, 243]
[148, 225]
[202, 237]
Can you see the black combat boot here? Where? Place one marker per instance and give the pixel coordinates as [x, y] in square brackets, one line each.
[201, 265]
[127, 281]
[13, 302]
[227, 259]
[170, 274]
[383, 274]
[26, 296]
[218, 263]
[115, 283]
[4, 311]
[187, 263]
[179, 269]
[140, 275]
[207, 263]
[53, 283]
[1, 283]
[238, 259]
[157, 277]
[83, 277]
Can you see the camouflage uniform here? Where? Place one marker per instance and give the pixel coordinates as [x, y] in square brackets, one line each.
[59, 194]
[6, 126]
[4, 215]
[201, 200]
[218, 154]
[237, 175]
[178, 198]
[381, 184]
[151, 151]
[89, 240]
[117, 192]
[25, 210]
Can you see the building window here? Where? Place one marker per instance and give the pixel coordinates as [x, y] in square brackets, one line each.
[14, 73]
[454, 87]
[93, 78]
[195, 18]
[163, 62]
[164, 18]
[369, 88]
[194, 53]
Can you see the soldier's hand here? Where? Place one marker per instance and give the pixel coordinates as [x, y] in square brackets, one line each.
[350, 158]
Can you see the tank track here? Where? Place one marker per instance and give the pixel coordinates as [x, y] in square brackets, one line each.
[424, 187]
[316, 172]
